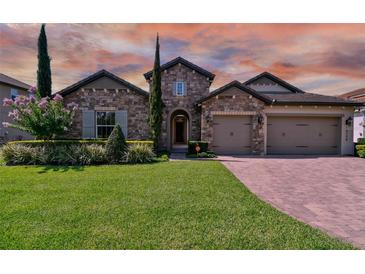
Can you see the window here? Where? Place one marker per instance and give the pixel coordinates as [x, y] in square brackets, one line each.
[13, 93]
[180, 89]
[105, 122]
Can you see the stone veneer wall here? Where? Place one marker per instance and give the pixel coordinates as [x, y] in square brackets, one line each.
[197, 86]
[106, 94]
[226, 103]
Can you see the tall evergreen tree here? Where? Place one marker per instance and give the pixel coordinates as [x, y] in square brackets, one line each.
[155, 100]
[44, 81]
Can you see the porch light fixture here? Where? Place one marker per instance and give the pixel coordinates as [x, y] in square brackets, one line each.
[260, 119]
[349, 121]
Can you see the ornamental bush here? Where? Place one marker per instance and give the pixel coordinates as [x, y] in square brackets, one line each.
[44, 118]
[139, 153]
[116, 145]
[51, 154]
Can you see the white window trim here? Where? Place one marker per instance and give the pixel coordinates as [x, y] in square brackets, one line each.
[183, 88]
[96, 122]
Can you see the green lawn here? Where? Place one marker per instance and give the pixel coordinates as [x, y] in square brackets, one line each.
[170, 205]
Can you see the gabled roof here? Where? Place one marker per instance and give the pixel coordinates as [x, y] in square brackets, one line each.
[358, 95]
[97, 75]
[184, 62]
[13, 82]
[275, 79]
[238, 85]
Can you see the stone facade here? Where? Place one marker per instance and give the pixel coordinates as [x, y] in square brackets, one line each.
[234, 101]
[105, 94]
[197, 86]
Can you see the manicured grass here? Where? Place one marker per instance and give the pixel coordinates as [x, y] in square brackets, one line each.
[168, 205]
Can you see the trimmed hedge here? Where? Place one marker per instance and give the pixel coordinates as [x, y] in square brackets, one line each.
[75, 142]
[361, 141]
[360, 147]
[192, 144]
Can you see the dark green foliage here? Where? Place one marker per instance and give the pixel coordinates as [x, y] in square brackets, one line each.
[202, 144]
[361, 140]
[44, 80]
[116, 145]
[155, 99]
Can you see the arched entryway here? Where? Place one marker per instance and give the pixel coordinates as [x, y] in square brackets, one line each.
[179, 130]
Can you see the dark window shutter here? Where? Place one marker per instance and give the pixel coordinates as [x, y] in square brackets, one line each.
[88, 124]
[173, 88]
[121, 118]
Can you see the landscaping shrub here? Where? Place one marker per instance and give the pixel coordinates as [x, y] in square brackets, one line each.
[84, 154]
[76, 141]
[139, 153]
[116, 145]
[361, 153]
[361, 141]
[64, 152]
[16, 154]
[202, 144]
[360, 147]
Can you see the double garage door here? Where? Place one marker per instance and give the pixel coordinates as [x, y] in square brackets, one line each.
[303, 135]
[285, 135]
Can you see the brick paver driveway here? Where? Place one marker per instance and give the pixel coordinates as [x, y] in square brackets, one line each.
[327, 192]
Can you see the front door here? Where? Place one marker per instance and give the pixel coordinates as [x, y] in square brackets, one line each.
[180, 130]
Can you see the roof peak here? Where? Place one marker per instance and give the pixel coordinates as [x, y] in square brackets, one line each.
[275, 79]
[186, 63]
[97, 75]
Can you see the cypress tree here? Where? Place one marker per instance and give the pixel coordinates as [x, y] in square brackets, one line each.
[44, 81]
[155, 100]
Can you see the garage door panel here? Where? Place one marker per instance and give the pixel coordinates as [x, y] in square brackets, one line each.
[303, 135]
[232, 134]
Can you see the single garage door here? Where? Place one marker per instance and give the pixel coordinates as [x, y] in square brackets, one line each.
[232, 134]
[303, 135]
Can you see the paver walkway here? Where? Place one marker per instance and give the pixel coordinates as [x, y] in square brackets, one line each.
[326, 192]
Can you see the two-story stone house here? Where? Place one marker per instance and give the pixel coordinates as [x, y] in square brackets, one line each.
[264, 115]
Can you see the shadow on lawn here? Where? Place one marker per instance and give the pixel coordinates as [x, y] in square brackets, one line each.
[61, 168]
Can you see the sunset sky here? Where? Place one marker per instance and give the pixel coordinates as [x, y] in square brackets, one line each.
[320, 58]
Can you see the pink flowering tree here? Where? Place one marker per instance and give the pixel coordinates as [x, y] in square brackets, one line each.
[45, 118]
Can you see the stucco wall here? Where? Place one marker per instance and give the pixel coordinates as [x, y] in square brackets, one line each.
[234, 102]
[106, 94]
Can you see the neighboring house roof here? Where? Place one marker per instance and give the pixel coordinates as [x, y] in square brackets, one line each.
[13, 82]
[184, 62]
[275, 79]
[238, 85]
[357, 95]
[97, 75]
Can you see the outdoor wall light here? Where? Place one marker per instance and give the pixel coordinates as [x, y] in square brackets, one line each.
[349, 121]
[260, 119]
